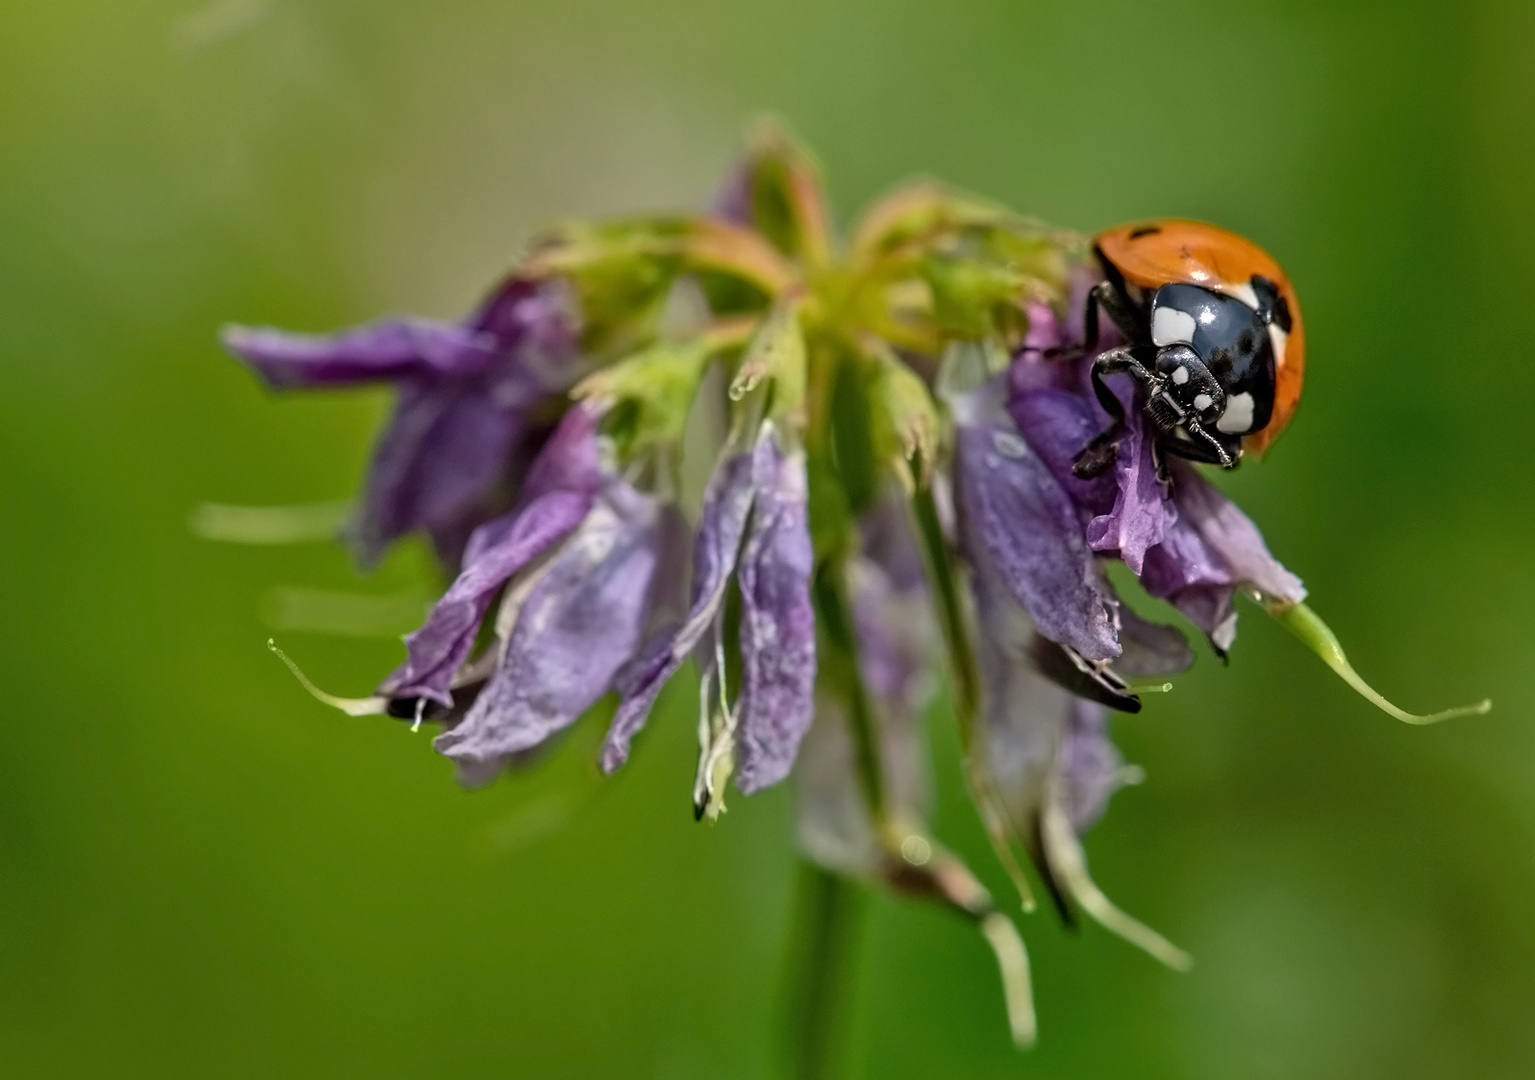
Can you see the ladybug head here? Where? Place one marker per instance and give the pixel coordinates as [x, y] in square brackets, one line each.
[1214, 366]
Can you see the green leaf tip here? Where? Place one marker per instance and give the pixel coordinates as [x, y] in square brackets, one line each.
[1304, 623]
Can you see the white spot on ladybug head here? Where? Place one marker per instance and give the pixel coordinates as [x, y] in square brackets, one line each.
[1278, 337]
[1180, 374]
[1169, 326]
[1202, 402]
[1237, 417]
[1243, 292]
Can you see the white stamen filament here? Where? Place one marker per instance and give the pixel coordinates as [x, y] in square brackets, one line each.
[1064, 852]
[369, 706]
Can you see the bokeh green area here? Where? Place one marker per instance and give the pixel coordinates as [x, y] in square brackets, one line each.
[205, 873]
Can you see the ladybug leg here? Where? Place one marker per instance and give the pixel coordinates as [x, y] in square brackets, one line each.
[1099, 454]
[1102, 297]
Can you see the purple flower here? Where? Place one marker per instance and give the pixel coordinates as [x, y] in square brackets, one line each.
[465, 417]
[753, 529]
[904, 412]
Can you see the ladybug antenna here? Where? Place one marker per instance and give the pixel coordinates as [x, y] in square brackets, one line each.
[1196, 428]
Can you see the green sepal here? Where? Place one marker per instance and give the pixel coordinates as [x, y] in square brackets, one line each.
[650, 393]
[1301, 621]
[784, 193]
[906, 425]
[776, 362]
[920, 212]
[972, 297]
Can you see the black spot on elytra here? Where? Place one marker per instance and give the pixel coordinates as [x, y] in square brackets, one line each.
[1219, 363]
[1271, 302]
[1282, 314]
[1245, 343]
[1145, 230]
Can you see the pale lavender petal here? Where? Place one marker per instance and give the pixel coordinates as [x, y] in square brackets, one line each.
[895, 636]
[1185, 572]
[777, 634]
[578, 626]
[439, 648]
[895, 643]
[1150, 648]
[1143, 510]
[1015, 517]
[1232, 535]
[1023, 713]
[1057, 424]
[1090, 767]
[727, 504]
[386, 350]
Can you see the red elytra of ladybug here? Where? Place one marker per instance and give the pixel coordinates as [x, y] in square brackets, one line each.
[1151, 254]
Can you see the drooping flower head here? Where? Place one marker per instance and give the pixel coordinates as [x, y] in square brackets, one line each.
[891, 497]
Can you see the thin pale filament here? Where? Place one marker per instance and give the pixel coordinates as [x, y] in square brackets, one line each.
[1064, 851]
[1013, 960]
[369, 706]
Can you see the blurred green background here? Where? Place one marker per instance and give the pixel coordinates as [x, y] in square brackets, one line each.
[203, 872]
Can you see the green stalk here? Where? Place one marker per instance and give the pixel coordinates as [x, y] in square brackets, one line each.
[965, 678]
[821, 981]
[836, 620]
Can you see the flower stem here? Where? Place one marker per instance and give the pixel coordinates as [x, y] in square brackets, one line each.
[818, 1002]
[965, 679]
[837, 623]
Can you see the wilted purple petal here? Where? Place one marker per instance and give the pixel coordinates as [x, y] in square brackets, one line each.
[1211, 549]
[1185, 572]
[895, 643]
[578, 625]
[895, 636]
[439, 648]
[535, 316]
[569, 461]
[1232, 535]
[442, 449]
[777, 634]
[1090, 766]
[386, 350]
[1017, 518]
[1142, 511]
[1023, 713]
[1057, 424]
[727, 504]
[1150, 648]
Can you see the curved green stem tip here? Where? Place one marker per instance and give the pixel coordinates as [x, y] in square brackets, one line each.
[1301, 621]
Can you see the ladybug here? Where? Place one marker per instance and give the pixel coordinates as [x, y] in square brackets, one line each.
[1213, 334]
